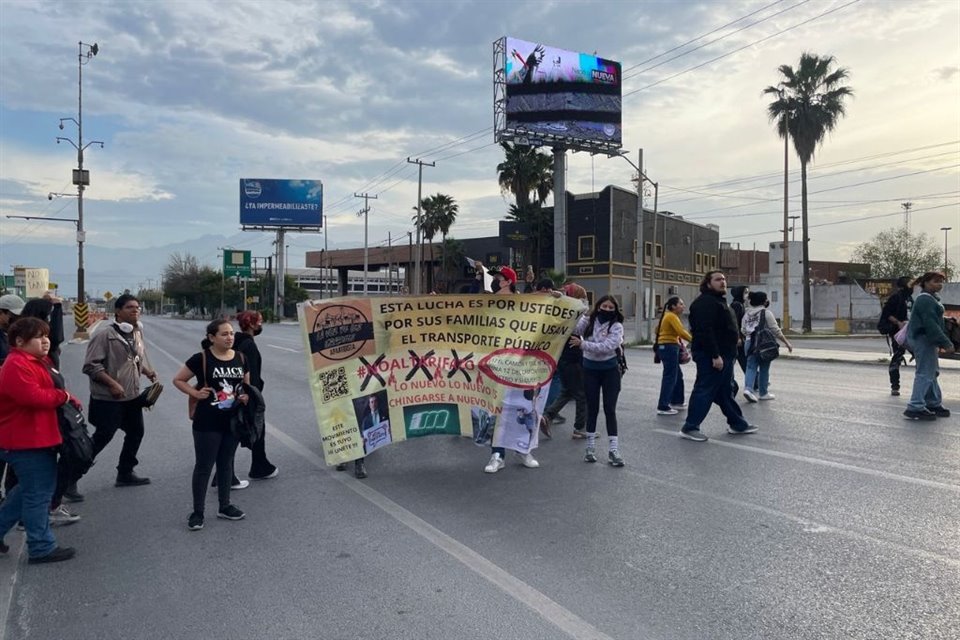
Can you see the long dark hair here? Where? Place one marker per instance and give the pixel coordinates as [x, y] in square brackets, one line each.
[212, 329]
[37, 308]
[618, 316]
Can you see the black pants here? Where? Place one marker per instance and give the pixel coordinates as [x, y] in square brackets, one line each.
[571, 380]
[259, 465]
[108, 416]
[212, 447]
[606, 381]
[899, 352]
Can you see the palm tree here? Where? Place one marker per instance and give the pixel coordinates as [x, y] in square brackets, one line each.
[810, 102]
[525, 171]
[438, 213]
[537, 223]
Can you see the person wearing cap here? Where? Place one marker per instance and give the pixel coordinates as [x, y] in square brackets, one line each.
[11, 306]
[505, 283]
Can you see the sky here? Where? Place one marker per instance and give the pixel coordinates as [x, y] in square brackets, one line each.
[189, 97]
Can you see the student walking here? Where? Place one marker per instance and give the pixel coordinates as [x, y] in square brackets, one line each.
[221, 373]
[599, 335]
[670, 332]
[926, 333]
[895, 313]
[758, 370]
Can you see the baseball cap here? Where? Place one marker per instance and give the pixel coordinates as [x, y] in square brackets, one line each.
[505, 272]
[12, 303]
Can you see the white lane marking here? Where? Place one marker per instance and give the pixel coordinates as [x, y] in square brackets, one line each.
[882, 425]
[557, 615]
[284, 348]
[809, 526]
[828, 463]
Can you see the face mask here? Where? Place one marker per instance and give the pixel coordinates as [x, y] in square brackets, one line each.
[606, 316]
[126, 327]
[258, 331]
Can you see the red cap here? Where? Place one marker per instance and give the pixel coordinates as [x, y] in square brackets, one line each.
[509, 274]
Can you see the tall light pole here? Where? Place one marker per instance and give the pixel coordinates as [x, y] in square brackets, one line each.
[946, 265]
[640, 306]
[786, 213]
[81, 178]
[418, 276]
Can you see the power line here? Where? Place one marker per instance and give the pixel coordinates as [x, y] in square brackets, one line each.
[842, 205]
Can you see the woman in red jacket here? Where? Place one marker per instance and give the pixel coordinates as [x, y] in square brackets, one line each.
[30, 437]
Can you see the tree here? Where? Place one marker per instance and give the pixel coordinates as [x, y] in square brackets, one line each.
[452, 261]
[897, 252]
[437, 214]
[809, 103]
[525, 171]
[537, 223]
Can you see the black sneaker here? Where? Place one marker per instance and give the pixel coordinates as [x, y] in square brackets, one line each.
[341, 466]
[922, 414]
[195, 521]
[4, 547]
[895, 391]
[693, 434]
[130, 480]
[72, 494]
[57, 555]
[614, 458]
[940, 412]
[231, 512]
[590, 455]
[359, 470]
[742, 430]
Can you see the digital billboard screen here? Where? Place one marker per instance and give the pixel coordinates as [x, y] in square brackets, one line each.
[281, 203]
[562, 94]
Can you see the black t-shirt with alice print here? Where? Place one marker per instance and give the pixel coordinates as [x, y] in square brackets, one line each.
[225, 377]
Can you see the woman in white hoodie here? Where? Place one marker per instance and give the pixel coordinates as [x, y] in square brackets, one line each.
[758, 371]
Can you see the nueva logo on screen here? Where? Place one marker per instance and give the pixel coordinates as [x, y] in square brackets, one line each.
[604, 76]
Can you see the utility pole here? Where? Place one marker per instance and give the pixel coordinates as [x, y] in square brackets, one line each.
[653, 260]
[906, 214]
[365, 212]
[420, 163]
[786, 216]
[80, 178]
[281, 272]
[389, 264]
[326, 254]
[946, 264]
[793, 228]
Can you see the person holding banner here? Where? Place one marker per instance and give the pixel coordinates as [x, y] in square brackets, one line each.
[599, 335]
[221, 374]
[505, 283]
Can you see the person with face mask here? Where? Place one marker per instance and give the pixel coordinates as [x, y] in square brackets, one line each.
[115, 361]
[251, 325]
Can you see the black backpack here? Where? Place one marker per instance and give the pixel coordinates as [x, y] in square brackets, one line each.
[764, 343]
[76, 452]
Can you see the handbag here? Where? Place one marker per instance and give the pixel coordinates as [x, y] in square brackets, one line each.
[148, 397]
[684, 353]
[191, 401]
[764, 343]
[901, 335]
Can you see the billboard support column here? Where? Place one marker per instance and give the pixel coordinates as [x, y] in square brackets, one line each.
[559, 209]
[281, 272]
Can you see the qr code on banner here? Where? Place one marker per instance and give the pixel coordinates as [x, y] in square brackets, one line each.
[334, 384]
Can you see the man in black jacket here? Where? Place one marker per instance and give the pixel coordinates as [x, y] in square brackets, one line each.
[714, 350]
[893, 316]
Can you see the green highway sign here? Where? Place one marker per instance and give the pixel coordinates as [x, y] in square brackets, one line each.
[236, 263]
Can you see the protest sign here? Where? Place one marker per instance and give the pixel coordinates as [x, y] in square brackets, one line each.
[388, 369]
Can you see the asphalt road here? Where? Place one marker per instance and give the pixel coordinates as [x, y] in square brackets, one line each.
[837, 520]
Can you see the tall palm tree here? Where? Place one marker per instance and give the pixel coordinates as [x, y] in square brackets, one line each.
[525, 171]
[537, 222]
[438, 213]
[810, 102]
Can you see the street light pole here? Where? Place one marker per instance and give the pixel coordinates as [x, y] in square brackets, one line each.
[946, 264]
[80, 178]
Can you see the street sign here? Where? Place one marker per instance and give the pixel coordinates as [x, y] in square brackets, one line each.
[236, 263]
[108, 296]
[253, 299]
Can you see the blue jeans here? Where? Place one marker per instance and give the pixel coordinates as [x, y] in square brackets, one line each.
[711, 387]
[757, 373]
[29, 501]
[926, 389]
[671, 385]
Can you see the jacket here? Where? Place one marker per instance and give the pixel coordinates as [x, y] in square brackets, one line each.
[670, 329]
[751, 320]
[249, 422]
[245, 344]
[926, 321]
[897, 305]
[603, 342]
[29, 400]
[108, 350]
[713, 326]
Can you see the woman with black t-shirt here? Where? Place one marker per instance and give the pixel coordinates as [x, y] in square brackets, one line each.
[221, 373]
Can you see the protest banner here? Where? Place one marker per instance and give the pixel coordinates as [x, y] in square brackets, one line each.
[387, 369]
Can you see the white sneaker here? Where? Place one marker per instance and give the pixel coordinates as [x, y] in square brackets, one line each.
[768, 396]
[667, 412]
[749, 395]
[242, 484]
[529, 461]
[679, 407]
[495, 464]
[60, 517]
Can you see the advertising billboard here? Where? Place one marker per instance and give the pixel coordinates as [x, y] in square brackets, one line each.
[281, 203]
[552, 95]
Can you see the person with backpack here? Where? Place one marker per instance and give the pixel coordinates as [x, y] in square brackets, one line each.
[926, 334]
[222, 378]
[756, 318]
[895, 312]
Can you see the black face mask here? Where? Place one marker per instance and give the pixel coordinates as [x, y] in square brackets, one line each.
[606, 316]
[258, 331]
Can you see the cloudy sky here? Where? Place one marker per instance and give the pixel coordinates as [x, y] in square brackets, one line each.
[189, 97]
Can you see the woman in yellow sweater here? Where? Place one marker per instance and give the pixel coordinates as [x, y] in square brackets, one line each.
[669, 333]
